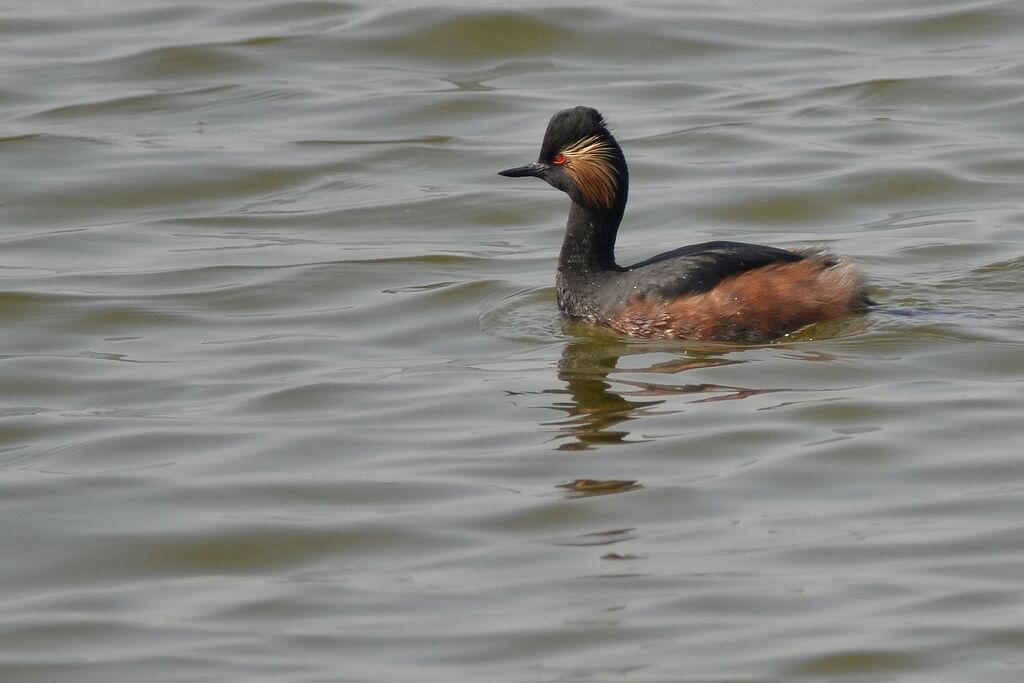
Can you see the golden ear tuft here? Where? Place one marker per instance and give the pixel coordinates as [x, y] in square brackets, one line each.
[589, 162]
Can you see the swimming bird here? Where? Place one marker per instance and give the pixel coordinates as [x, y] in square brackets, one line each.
[713, 291]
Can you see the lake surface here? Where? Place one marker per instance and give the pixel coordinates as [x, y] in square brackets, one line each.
[284, 395]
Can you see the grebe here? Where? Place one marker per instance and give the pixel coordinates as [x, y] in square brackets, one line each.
[714, 291]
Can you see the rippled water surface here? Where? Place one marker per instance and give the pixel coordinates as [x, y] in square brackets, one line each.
[284, 395]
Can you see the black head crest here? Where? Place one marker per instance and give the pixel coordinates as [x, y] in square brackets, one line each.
[569, 126]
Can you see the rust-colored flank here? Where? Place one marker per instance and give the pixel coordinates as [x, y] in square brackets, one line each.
[755, 306]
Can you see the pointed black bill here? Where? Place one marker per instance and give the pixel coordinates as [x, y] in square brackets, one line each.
[535, 169]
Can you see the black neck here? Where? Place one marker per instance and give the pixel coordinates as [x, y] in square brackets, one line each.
[589, 245]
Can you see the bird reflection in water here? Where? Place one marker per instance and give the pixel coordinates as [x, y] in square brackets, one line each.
[598, 414]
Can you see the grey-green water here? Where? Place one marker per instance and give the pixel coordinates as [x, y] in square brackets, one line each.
[284, 395]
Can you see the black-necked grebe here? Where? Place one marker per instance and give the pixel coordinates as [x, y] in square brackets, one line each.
[715, 291]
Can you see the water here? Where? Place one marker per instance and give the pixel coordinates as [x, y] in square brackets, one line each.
[284, 395]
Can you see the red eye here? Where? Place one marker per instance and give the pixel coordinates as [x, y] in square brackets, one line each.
[558, 159]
